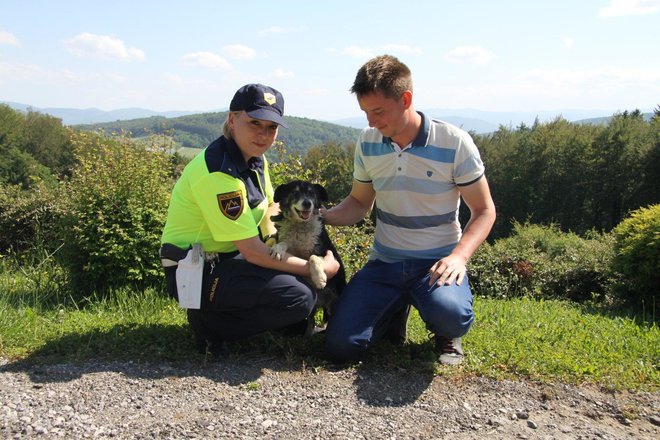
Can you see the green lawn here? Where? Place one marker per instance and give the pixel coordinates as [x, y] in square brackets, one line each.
[540, 340]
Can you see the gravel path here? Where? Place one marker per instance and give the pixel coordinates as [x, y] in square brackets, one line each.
[266, 398]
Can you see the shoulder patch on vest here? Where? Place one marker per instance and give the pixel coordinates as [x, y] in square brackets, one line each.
[231, 204]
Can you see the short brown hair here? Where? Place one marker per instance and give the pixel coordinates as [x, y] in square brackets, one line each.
[385, 74]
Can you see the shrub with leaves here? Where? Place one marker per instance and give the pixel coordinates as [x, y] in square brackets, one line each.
[28, 218]
[117, 205]
[541, 261]
[353, 244]
[637, 259]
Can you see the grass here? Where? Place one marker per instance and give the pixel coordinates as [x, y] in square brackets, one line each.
[548, 341]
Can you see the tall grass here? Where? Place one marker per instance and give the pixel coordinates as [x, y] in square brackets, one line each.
[543, 340]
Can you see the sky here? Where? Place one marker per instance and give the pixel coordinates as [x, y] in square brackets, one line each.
[491, 55]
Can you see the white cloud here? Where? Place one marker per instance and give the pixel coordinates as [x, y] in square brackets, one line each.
[402, 48]
[33, 73]
[93, 46]
[239, 52]
[618, 8]
[205, 59]
[357, 52]
[273, 30]
[280, 30]
[599, 77]
[568, 42]
[281, 73]
[470, 54]
[8, 38]
[589, 87]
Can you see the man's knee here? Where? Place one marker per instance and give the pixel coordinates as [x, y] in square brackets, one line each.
[451, 317]
[342, 346]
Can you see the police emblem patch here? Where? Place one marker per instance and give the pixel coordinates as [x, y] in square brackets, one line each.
[231, 204]
[270, 98]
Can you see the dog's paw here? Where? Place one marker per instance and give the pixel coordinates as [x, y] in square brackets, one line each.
[270, 242]
[277, 251]
[316, 272]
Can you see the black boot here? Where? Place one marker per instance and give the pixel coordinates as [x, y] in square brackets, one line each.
[397, 330]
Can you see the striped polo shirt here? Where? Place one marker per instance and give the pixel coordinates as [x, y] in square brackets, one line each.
[417, 195]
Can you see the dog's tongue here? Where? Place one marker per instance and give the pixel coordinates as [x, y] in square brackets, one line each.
[305, 214]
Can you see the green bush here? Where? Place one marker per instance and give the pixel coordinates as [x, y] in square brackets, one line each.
[637, 259]
[28, 218]
[353, 244]
[115, 212]
[543, 262]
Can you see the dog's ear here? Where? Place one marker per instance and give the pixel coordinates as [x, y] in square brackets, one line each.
[321, 192]
[280, 192]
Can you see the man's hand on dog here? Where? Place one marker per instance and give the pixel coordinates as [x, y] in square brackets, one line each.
[446, 271]
[330, 264]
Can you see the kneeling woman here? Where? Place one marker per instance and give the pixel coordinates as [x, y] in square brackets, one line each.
[224, 200]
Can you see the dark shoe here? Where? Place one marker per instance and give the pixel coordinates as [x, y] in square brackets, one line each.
[450, 351]
[204, 343]
[397, 330]
[217, 349]
[297, 329]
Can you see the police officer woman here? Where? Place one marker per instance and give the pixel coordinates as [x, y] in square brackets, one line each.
[223, 201]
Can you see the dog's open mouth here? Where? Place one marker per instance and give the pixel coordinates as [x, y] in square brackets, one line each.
[305, 215]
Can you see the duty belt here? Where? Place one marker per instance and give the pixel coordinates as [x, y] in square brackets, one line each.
[171, 254]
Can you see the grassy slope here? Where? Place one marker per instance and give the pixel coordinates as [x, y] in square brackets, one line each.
[540, 340]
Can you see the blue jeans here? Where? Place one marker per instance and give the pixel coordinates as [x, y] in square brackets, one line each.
[379, 290]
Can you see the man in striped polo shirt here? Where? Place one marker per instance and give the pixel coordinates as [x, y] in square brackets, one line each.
[416, 170]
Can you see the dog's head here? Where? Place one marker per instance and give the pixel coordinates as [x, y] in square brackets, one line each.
[300, 200]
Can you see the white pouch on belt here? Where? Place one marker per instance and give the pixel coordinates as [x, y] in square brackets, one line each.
[189, 275]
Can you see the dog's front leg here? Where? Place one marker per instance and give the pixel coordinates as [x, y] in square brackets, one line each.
[316, 272]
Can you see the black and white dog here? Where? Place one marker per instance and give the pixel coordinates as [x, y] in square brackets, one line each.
[301, 232]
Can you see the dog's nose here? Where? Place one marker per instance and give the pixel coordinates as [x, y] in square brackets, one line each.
[306, 204]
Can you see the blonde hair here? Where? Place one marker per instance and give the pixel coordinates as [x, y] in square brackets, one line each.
[226, 130]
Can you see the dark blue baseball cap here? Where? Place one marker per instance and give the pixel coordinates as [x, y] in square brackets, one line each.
[260, 102]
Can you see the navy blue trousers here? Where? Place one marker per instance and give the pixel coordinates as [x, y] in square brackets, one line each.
[240, 299]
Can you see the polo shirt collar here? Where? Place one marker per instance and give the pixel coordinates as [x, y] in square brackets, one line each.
[421, 140]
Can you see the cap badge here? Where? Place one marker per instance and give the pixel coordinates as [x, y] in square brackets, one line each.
[270, 98]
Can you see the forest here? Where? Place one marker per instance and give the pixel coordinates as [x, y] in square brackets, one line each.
[197, 131]
[578, 204]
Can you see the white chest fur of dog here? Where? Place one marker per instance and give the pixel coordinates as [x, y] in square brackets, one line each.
[299, 238]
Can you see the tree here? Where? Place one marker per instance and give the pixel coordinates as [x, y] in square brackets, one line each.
[17, 167]
[48, 141]
[621, 152]
[332, 164]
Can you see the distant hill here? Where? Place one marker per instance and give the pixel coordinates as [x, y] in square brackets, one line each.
[199, 130]
[480, 121]
[606, 119]
[76, 116]
[196, 130]
[469, 124]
